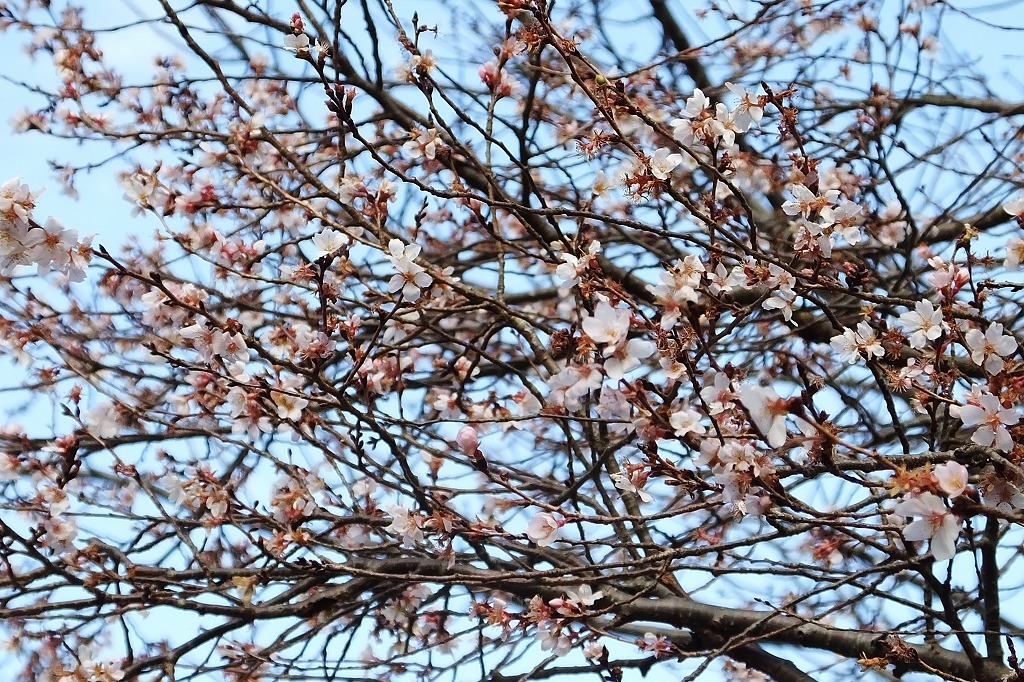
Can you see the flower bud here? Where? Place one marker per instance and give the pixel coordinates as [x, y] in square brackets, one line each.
[468, 440]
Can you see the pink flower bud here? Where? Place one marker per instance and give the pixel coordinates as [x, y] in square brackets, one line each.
[468, 440]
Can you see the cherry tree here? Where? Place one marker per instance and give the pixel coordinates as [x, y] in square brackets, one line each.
[514, 340]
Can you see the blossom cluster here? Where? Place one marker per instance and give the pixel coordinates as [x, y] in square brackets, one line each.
[50, 246]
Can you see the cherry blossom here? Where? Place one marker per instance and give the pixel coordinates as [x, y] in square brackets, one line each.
[933, 522]
[924, 323]
[424, 144]
[553, 639]
[583, 596]
[677, 286]
[718, 394]
[853, 344]
[989, 349]
[767, 410]
[607, 325]
[952, 478]
[749, 111]
[406, 524]
[1014, 252]
[805, 202]
[845, 219]
[264, 399]
[572, 267]
[781, 281]
[991, 418]
[411, 278]
[695, 126]
[296, 43]
[543, 529]
[1002, 494]
[1015, 205]
[17, 201]
[725, 127]
[289, 404]
[329, 241]
[686, 420]
[467, 440]
[573, 383]
[632, 483]
[946, 276]
[657, 644]
[625, 357]
[663, 163]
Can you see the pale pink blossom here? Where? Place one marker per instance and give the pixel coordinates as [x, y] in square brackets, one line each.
[845, 219]
[697, 105]
[749, 110]
[933, 522]
[946, 276]
[626, 356]
[467, 440]
[805, 202]
[16, 201]
[1002, 494]
[298, 44]
[663, 162]
[407, 524]
[726, 127]
[632, 483]
[289, 405]
[552, 639]
[719, 394]
[572, 266]
[952, 477]
[583, 596]
[767, 410]
[659, 645]
[677, 286]
[543, 529]
[424, 144]
[411, 278]
[572, 383]
[1014, 252]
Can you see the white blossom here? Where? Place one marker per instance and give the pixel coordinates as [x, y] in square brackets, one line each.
[852, 344]
[1015, 205]
[933, 522]
[924, 323]
[988, 349]
[991, 418]
[608, 324]
[767, 410]
[685, 420]
[663, 162]
[328, 241]
[411, 278]
[296, 43]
